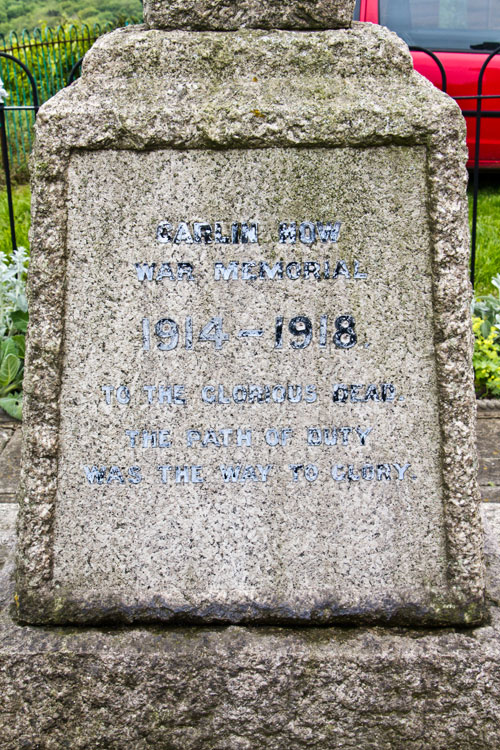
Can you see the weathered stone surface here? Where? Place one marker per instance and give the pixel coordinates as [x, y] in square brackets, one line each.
[10, 459]
[242, 688]
[240, 557]
[225, 15]
[4, 438]
[488, 443]
[8, 515]
[215, 112]
[491, 521]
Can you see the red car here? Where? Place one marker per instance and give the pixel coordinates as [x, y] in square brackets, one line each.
[462, 34]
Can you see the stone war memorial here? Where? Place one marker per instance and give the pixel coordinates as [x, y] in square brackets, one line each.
[249, 399]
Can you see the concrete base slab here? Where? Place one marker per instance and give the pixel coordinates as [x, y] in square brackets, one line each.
[243, 688]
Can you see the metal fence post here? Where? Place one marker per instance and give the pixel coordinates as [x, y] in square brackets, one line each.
[444, 82]
[74, 71]
[4, 144]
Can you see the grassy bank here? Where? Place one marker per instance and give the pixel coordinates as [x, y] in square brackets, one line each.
[488, 233]
[22, 199]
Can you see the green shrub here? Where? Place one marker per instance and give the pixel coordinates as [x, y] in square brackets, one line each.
[486, 327]
[486, 360]
[26, 14]
[50, 54]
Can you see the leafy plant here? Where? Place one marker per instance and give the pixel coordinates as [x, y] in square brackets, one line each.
[488, 309]
[13, 324]
[486, 359]
[11, 375]
[486, 327]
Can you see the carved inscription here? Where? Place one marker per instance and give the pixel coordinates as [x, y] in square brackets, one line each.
[249, 397]
[296, 332]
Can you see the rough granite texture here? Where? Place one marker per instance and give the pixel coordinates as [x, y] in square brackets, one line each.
[226, 15]
[338, 90]
[243, 688]
[282, 548]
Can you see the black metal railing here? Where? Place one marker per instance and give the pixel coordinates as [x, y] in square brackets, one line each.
[478, 113]
[74, 71]
[33, 107]
[3, 138]
[444, 82]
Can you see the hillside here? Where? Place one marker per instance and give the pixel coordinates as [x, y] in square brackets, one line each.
[16, 15]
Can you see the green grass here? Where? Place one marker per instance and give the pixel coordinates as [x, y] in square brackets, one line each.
[22, 201]
[488, 233]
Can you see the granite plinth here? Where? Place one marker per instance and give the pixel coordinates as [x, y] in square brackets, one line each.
[243, 688]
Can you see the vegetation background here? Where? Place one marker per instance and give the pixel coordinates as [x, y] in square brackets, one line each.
[16, 15]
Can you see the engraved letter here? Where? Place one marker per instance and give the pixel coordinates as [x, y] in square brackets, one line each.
[288, 234]
[327, 232]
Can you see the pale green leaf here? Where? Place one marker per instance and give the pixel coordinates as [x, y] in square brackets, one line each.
[9, 369]
[13, 405]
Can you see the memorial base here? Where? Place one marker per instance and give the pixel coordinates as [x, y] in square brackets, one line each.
[239, 688]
